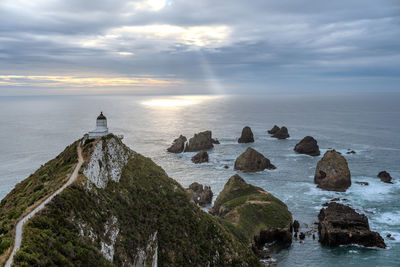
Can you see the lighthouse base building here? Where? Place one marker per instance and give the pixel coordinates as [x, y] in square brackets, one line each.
[101, 127]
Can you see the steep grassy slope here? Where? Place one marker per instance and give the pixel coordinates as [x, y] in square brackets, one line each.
[31, 191]
[140, 217]
[251, 209]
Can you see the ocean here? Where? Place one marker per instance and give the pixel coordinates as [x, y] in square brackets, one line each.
[34, 129]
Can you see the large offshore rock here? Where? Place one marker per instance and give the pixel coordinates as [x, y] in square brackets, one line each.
[332, 172]
[200, 195]
[308, 145]
[200, 141]
[385, 177]
[200, 157]
[257, 214]
[341, 225]
[283, 133]
[178, 145]
[274, 129]
[253, 161]
[247, 136]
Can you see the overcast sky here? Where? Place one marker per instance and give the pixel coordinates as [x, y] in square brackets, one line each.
[203, 46]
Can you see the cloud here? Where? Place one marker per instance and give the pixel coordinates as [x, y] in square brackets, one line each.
[79, 81]
[227, 45]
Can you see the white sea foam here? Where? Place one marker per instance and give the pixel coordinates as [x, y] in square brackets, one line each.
[389, 218]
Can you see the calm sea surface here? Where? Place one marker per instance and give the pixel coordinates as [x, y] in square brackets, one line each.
[34, 130]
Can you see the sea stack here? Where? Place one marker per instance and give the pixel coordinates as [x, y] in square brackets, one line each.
[253, 161]
[332, 172]
[283, 133]
[385, 177]
[200, 141]
[341, 225]
[308, 146]
[200, 157]
[178, 145]
[200, 195]
[247, 136]
[274, 129]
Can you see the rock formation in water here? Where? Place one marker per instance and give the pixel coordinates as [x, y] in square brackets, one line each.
[332, 172]
[283, 133]
[199, 194]
[252, 161]
[200, 141]
[178, 145]
[259, 215]
[247, 136]
[122, 210]
[200, 157]
[308, 145]
[274, 130]
[341, 225]
[385, 177]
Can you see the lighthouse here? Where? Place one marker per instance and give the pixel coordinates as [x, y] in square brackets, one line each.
[101, 127]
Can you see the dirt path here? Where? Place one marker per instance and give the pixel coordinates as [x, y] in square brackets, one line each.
[19, 229]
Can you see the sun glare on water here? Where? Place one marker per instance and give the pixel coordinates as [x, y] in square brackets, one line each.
[176, 102]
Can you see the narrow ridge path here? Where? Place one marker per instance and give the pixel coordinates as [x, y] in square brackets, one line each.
[19, 229]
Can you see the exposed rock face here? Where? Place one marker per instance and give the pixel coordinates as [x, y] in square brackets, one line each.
[261, 216]
[385, 177]
[247, 136]
[341, 225]
[332, 172]
[200, 195]
[108, 158]
[274, 130]
[283, 133]
[308, 146]
[253, 161]
[200, 157]
[178, 145]
[200, 141]
[296, 226]
[215, 141]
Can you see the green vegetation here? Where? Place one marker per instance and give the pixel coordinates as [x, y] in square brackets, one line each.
[145, 202]
[250, 209]
[33, 190]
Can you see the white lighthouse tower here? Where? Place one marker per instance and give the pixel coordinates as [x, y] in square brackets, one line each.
[101, 127]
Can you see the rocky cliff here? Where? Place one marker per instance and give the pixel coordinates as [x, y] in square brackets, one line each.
[123, 210]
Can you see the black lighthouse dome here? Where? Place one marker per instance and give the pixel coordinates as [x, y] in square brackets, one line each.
[101, 116]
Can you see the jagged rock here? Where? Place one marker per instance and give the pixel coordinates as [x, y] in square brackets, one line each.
[332, 172]
[274, 130]
[296, 226]
[215, 141]
[226, 167]
[350, 152]
[385, 177]
[200, 195]
[247, 136]
[200, 141]
[362, 183]
[200, 157]
[308, 146]
[252, 161]
[178, 145]
[302, 236]
[282, 133]
[248, 207]
[341, 225]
